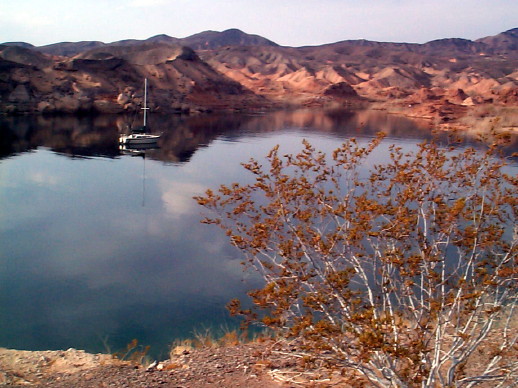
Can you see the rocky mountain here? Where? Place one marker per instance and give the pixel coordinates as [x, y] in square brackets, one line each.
[375, 70]
[200, 41]
[18, 44]
[233, 37]
[504, 43]
[68, 49]
[232, 69]
[109, 79]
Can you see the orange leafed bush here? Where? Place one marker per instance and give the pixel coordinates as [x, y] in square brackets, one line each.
[401, 272]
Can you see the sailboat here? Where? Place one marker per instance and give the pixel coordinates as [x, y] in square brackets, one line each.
[140, 138]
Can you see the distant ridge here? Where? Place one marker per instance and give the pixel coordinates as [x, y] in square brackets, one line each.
[68, 48]
[503, 42]
[210, 40]
[19, 44]
[207, 40]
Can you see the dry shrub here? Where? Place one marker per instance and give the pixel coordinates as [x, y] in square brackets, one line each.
[400, 274]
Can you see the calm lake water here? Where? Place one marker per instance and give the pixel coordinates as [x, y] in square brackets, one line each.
[98, 247]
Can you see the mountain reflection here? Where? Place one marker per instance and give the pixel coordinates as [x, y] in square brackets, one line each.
[97, 136]
[71, 136]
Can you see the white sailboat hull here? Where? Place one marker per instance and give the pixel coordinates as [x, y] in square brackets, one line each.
[138, 138]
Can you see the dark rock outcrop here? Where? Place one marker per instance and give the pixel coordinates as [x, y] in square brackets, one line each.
[341, 90]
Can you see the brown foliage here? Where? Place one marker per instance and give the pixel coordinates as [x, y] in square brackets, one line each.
[399, 273]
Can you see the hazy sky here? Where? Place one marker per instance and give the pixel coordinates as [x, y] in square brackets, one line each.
[287, 22]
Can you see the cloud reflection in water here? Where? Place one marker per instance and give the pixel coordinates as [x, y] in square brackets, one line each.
[98, 244]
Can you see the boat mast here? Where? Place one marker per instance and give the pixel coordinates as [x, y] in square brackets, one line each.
[145, 109]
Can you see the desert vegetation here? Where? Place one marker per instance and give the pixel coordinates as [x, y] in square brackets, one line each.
[404, 275]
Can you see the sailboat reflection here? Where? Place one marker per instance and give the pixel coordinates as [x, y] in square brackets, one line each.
[139, 151]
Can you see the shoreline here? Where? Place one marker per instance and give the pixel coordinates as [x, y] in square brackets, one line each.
[258, 364]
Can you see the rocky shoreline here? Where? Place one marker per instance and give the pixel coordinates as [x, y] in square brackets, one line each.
[261, 364]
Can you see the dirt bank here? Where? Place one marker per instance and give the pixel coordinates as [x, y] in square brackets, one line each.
[256, 365]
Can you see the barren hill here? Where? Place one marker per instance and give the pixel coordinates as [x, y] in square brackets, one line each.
[232, 69]
[109, 79]
[232, 37]
[202, 40]
[503, 43]
[483, 71]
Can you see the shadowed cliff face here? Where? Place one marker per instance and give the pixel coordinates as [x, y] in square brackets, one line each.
[234, 70]
[110, 80]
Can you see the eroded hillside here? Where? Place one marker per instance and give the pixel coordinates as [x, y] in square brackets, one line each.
[448, 71]
[233, 70]
[109, 79]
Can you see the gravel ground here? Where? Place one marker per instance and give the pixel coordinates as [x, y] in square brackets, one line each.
[256, 365]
